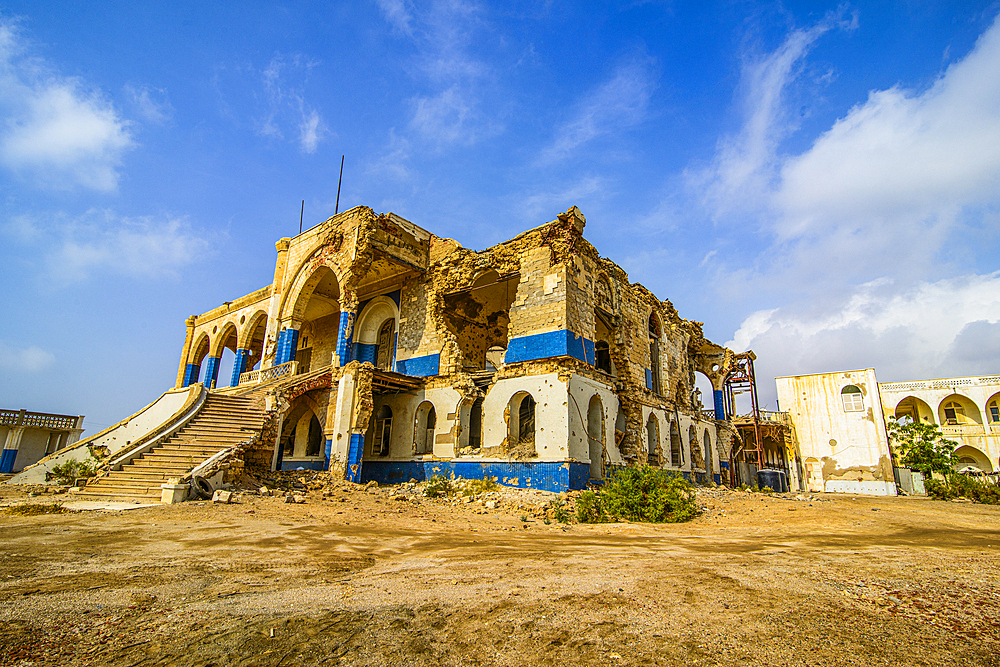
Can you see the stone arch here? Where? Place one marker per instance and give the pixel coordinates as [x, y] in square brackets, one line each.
[200, 349]
[967, 456]
[595, 437]
[914, 408]
[249, 328]
[307, 277]
[227, 338]
[604, 296]
[302, 430]
[424, 427]
[956, 410]
[469, 437]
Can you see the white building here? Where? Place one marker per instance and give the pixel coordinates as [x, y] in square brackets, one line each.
[840, 422]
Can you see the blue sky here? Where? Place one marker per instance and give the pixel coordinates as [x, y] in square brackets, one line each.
[817, 181]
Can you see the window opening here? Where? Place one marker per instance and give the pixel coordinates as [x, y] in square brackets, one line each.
[954, 413]
[652, 436]
[675, 445]
[476, 424]
[424, 430]
[603, 353]
[994, 411]
[853, 399]
[654, 353]
[383, 431]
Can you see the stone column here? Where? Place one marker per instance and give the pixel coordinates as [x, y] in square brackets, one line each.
[211, 372]
[288, 342]
[182, 372]
[345, 335]
[239, 365]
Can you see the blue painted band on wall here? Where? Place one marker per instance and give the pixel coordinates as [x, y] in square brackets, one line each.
[239, 366]
[355, 453]
[545, 475]
[720, 403]
[420, 366]
[191, 374]
[344, 336]
[7, 460]
[327, 451]
[561, 343]
[649, 379]
[211, 372]
[717, 477]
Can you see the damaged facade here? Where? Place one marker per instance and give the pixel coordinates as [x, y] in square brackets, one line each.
[387, 353]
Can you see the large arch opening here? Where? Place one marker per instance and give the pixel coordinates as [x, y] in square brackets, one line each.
[252, 337]
[318, 308]
[199, 351]
[424, 427]
[704, 393]
[958, 410]
[915, 410]
[595, 437]
[226, 343]
[375, 334]
[301, 438]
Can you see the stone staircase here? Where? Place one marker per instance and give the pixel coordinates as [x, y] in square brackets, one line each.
[222, 422]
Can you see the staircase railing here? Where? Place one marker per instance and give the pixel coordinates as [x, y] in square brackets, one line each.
[286, 369]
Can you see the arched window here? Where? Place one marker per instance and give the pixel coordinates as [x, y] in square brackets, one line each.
[423, 430]
[654, 352]
[676, 449]
[386, 345]
[853, 399]
[653, 440]
[476, 424]
[383, 432]
[954, 413]
[994, 410]
[595, 437]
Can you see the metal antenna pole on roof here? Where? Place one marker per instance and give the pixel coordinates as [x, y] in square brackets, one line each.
[339, 180]
[301, 211]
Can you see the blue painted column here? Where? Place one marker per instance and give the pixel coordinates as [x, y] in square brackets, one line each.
[345, 336]
[191, 374]
[288, 341]
[355, 453]
[720, 404]
[9, 453]
[239, 366]
[211, 372]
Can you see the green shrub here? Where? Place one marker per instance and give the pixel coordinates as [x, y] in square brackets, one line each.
[439, 486]
[559, 512]
[69, 471]
[588, 508]
[473, 487]
[640, 494]
[957, 485]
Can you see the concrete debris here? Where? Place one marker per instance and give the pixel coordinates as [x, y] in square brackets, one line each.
[224, 497]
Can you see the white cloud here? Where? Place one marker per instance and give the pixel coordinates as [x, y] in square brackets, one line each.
[151, 104]
[397, 14]
[442, 117]
[619, 103]
[53, 129]
[933, 329]
[287, 106]
[100, 241]
[30, 359]
[541, 206]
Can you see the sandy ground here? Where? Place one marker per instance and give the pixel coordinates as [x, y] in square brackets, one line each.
[364, 578]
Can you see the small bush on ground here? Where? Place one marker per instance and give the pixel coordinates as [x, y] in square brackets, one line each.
[439, 486]
[559, 512]
[957, 485]
[473, 487]
[640, 494]
[69, 471]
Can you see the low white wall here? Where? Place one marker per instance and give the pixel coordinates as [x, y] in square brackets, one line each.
[551, 413]
[115, 438]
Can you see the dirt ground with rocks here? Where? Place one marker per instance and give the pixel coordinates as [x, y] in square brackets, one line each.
[385, 576]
